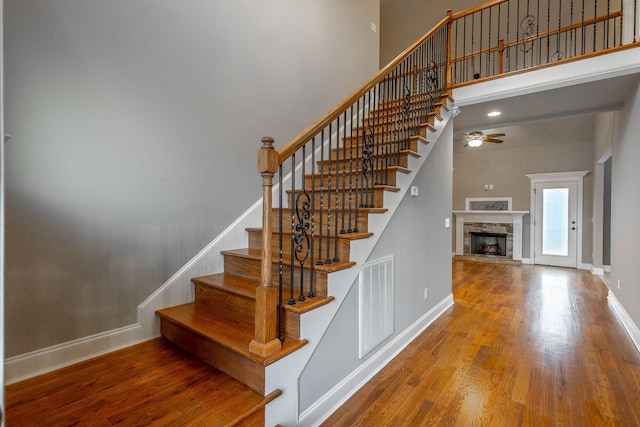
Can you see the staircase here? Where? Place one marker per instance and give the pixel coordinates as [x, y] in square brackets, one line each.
[356, 162]
[219, 325]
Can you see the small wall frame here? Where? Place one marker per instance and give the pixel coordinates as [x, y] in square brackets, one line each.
[488, 203]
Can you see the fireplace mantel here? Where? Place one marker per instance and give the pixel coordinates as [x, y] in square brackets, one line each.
[491, 217]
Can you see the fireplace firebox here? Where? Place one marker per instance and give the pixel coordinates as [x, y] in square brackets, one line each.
[494, 244]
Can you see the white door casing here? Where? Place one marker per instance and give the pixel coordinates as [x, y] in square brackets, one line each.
[573, 183]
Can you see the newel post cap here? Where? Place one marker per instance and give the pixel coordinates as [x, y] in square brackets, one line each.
[268, 158]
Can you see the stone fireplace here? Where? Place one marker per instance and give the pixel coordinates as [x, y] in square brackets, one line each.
[492, 232]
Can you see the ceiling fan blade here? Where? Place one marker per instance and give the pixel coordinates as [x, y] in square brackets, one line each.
[493, 135]
[487, 139]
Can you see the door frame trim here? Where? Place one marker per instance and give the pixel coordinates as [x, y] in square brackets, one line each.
[537, 178]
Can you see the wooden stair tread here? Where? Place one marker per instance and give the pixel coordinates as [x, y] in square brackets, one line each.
[230, 283]
[255, 254]
[231, 334]
[390, 168]
[308, 304]
[344, 236]
[384, 187]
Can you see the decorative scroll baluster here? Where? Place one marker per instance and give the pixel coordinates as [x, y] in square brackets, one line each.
[301, 239]
[367, 163]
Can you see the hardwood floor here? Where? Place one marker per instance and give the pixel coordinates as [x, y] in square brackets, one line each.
[522, 346]
[152, 383]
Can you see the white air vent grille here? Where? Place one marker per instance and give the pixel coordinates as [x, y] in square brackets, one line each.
[376, 303]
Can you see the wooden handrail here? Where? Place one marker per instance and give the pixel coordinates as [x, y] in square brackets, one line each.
[476, 9]
[296, 143]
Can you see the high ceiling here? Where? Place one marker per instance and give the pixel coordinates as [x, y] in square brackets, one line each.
[551, 105]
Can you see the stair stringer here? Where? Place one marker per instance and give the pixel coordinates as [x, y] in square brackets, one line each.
[285, 373]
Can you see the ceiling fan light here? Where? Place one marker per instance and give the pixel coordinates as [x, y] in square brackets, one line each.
[475, 142]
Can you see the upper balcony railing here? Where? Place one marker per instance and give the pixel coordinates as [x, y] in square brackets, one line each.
[505, 36]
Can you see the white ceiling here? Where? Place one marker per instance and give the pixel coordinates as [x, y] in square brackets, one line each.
[551, 106]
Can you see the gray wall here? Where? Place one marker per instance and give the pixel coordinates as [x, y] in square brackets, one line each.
[422, 258]
[135, 128]
[625, 205]
[537, 147]
[404, 21]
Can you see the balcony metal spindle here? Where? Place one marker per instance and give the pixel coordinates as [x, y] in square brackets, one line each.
[518, 33]
[582, 40]
[572, 47]
[508, 40]
[595, 24]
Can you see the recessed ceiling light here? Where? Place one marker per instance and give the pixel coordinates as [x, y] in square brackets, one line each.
[494, 114]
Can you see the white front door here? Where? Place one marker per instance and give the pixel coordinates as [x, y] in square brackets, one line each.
[556, 223]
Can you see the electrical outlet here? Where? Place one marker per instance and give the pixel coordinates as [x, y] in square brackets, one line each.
[426, 293]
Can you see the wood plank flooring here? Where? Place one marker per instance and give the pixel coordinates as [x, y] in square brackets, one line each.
[522, 346]
[152, 383]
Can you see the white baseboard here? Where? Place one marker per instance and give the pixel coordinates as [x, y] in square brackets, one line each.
[607, 268]
[584, 266]
[597, 271]
[339, 394]
[48, 359]
[526, 261]
[627, 322]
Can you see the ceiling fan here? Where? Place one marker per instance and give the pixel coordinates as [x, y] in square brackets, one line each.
[476, 138]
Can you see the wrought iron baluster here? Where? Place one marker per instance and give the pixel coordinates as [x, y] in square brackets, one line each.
[328, 169]
[337, 194]
[292, 208]
[367, 163]
[280, 257]
[343, 229]
[321, 189]
[352, 224]
[301, 239]
[312, 262]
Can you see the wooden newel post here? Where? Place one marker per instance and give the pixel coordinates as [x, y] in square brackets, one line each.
[265, 340]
